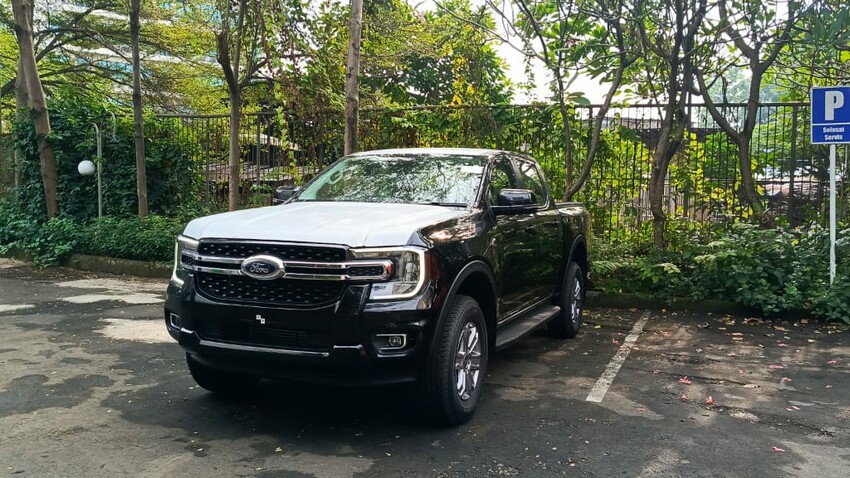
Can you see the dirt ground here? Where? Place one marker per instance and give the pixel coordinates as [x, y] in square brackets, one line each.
[91, 385]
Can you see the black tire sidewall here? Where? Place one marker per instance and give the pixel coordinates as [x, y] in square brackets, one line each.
[450, 408]
[573, 274]
[562, 326]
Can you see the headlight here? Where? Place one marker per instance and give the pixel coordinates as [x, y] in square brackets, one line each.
[409, 275]
[183, 244]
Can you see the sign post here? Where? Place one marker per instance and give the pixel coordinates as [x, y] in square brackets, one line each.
[831, 125]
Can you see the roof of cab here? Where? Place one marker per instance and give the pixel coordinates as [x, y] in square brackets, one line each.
[430, 151]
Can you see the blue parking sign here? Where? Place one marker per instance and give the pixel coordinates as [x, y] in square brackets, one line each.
[830, 114]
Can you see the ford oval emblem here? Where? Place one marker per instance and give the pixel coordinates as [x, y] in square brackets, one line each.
[263, 267]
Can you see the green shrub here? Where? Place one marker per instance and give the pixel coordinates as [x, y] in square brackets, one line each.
[173, 180]
[771, 271]
[149, 239]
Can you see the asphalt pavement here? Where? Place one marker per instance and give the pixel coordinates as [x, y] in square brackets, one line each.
[91, 385]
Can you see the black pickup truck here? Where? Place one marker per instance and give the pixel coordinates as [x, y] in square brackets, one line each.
[392, 266]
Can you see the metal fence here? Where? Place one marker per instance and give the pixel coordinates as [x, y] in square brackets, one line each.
[703, 182]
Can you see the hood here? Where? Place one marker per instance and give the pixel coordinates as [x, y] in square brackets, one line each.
[347, 223]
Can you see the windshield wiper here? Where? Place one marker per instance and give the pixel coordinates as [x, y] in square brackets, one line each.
[447, 204]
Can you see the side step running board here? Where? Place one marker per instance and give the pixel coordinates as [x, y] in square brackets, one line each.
[520, 327]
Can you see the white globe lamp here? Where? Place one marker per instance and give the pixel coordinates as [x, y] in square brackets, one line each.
[86, 168]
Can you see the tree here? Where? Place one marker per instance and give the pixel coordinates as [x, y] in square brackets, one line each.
[570, 38]
[667, 34]
[138, 121]
[755, 32]
[352, 72]
[30, 91]
[91, 45]
[819, 53]
[239, 28]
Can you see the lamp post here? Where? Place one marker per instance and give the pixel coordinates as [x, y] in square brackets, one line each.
[87, 168]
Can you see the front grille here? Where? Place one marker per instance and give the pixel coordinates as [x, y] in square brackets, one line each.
[286, 252]
[279, 292]
[264, 335]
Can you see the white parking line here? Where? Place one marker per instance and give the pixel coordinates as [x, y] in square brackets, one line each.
[601, 388]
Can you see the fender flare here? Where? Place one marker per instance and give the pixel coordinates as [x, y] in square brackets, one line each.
[579, 240]
[467, 270]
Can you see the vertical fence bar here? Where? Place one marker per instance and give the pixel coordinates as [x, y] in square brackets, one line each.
[792, 169]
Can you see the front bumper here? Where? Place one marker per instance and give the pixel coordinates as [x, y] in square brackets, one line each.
[341, 343]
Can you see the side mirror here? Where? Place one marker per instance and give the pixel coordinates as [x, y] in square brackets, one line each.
[514, 201]
[283, 194]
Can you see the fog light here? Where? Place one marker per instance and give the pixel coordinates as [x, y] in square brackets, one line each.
[391, 341]
[174, 321]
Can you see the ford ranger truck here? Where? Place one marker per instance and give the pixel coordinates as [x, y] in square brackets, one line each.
[389, 267]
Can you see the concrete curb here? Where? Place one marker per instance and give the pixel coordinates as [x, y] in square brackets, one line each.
[111, 265]
[627, 301]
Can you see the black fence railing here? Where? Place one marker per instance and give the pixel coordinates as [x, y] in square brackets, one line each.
[703, 183]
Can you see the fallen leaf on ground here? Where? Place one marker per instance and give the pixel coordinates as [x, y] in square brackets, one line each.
[778, 450]
[683, 397]
[786, 379]
[832, 362]
[773, 365]
[709, 400]
[685, 380]
[615, 341]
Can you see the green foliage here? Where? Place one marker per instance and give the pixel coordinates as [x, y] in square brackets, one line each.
[149, 239]
[172, 179]
[771, 271]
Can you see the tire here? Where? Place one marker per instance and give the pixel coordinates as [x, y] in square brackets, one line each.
[220, 382]
[567, 324]
[454, 375]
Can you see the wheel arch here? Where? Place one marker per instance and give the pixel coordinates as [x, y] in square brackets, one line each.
[475, 280]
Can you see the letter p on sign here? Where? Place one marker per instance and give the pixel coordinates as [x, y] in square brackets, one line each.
[834, 101]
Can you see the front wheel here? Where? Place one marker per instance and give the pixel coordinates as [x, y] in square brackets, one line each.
[567, 324]
[220, 382]
[454, 376]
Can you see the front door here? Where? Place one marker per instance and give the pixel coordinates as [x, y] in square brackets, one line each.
[514, 242]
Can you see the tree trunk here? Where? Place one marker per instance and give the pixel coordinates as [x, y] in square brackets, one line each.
[138, 122]
[656, 194]
[234, 156]
[22, 101]
[352, 74]
[23, 12]
[567, 132]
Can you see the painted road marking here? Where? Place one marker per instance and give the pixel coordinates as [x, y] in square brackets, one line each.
[601, 388]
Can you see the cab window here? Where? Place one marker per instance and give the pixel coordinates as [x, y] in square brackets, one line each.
[502, 176]
[532, 180]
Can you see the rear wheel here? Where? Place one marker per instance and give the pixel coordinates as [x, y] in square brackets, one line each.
[567, 324]
[454, 376]
[220, 382]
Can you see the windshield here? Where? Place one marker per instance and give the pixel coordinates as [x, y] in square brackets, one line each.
[450, 180]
